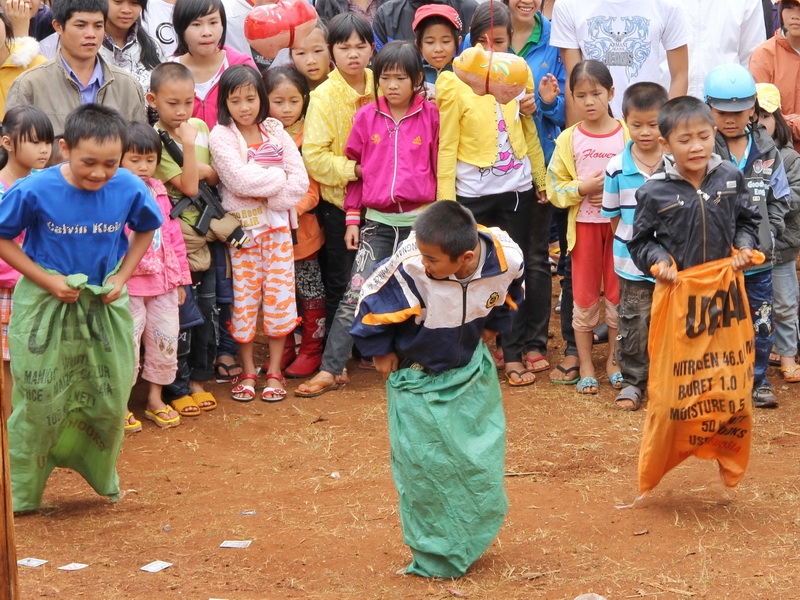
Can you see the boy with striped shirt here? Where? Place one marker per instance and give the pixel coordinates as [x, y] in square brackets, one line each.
[625, 174]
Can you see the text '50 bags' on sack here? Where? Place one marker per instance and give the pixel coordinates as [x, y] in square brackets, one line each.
[72, 366]
[701, 374]
[448, 439]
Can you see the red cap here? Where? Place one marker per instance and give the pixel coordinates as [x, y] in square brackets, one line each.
[437, 10]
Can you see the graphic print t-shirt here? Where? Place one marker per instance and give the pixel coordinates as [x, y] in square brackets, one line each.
[157, 21]
[592, 153]
[625, 35]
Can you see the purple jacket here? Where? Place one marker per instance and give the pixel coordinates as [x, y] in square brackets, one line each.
[398, 159]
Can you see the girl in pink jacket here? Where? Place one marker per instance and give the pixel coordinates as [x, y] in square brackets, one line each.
[395, 142]
[261, 179]
[156, 288]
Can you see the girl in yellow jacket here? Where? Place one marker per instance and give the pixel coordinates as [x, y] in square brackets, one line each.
[575, 180]
[490, 159]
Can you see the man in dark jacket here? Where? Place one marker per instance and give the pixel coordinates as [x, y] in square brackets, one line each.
[393, 20]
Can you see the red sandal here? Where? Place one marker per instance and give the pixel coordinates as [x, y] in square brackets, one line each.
[274, 394]
[242, 392]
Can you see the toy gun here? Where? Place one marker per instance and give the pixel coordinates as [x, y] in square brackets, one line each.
[206, 200]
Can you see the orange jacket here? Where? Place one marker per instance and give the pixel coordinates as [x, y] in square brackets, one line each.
[775, 61]
[310, 236]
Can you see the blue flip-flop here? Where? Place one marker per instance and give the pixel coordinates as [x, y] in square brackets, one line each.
[616, 380]
[586, 383]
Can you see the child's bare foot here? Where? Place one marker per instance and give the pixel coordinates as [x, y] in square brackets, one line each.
[613, 372]
[536, 361]
[227, 369]
[162, 415]
[567, 372]
[321, 383]
[790, 369]
[205, 400]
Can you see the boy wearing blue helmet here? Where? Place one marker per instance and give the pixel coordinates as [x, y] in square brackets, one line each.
[730, 91]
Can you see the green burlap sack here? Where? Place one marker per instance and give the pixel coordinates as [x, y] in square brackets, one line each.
[72, 366]
[448, 438]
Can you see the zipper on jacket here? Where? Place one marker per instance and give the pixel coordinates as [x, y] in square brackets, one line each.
[394, 154]
[676, 204]
[701, 198]
[463, 318]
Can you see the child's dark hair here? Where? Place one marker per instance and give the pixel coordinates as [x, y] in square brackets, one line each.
[25, 124]
[682, 110]
[643, 96]
[277, 75]
[169, 71]
[342, 26]
[432, 21]
[592, 70]
[783, 133]
[232, 79]
[9, 29]
[448, 225]
[142, 139]
[404, 57]
[487, 15]
[188, 11]
[149, 56]
[64, 9]
[95, 122]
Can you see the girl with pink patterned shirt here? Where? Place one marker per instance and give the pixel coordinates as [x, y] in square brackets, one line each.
[262, 178]
[575, 180]
[156, 288]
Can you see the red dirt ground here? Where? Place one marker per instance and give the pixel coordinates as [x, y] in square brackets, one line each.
[316, 472]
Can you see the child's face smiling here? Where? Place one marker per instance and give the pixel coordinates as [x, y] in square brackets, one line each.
[174, 102]
[438, 45]
[244, 105]
[91, 163]
[732, 124]
[643, 127]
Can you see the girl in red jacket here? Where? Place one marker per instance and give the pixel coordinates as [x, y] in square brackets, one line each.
[395, 142]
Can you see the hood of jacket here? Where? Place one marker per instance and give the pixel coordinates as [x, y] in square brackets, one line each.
[23, 51]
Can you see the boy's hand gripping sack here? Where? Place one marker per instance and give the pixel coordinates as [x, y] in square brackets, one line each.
[72, 372]
[701, 374]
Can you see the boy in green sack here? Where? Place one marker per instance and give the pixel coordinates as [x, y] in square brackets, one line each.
[424, 315]
[70, 336]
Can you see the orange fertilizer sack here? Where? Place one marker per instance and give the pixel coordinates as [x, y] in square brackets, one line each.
[701, 374]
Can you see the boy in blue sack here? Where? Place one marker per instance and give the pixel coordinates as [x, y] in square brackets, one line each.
[425, 315]
[730, 91]
[71, 332]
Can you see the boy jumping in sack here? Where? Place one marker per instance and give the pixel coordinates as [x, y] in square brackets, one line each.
[425, 314]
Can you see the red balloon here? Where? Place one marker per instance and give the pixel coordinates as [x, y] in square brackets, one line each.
[272, 27]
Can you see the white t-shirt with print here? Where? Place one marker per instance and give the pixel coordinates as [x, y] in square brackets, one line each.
[626, 35]
[157, 21]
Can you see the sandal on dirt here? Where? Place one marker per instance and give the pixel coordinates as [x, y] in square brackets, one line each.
[791, 374]
[600, 334]
[630, 398]
[162, 421]
[132, 424]
[205, 397]
[544, 364]
[499, 359]
[181, 404]
[584, 386]
[223, 372]
[521, 382]
[274, 394]
[324, 389]
[616, 380]
[567, 379]
[774, 359]
[242, 392]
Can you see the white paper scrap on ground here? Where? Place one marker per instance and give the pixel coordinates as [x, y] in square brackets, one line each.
[156, 566]
[236, 544]
[73, 567]
[31, 562]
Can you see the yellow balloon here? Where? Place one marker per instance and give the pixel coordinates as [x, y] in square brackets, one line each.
[500, 74]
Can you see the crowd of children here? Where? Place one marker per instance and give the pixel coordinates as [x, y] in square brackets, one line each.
[278, 193]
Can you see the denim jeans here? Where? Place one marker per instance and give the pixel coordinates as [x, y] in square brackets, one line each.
[759, 294]
[635, 301]
[377, 242]
[197, 347]
[784, 286]
[336, 260]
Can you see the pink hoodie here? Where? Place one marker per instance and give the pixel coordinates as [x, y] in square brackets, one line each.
[398, 159]
[207, 109]
[164, 266]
